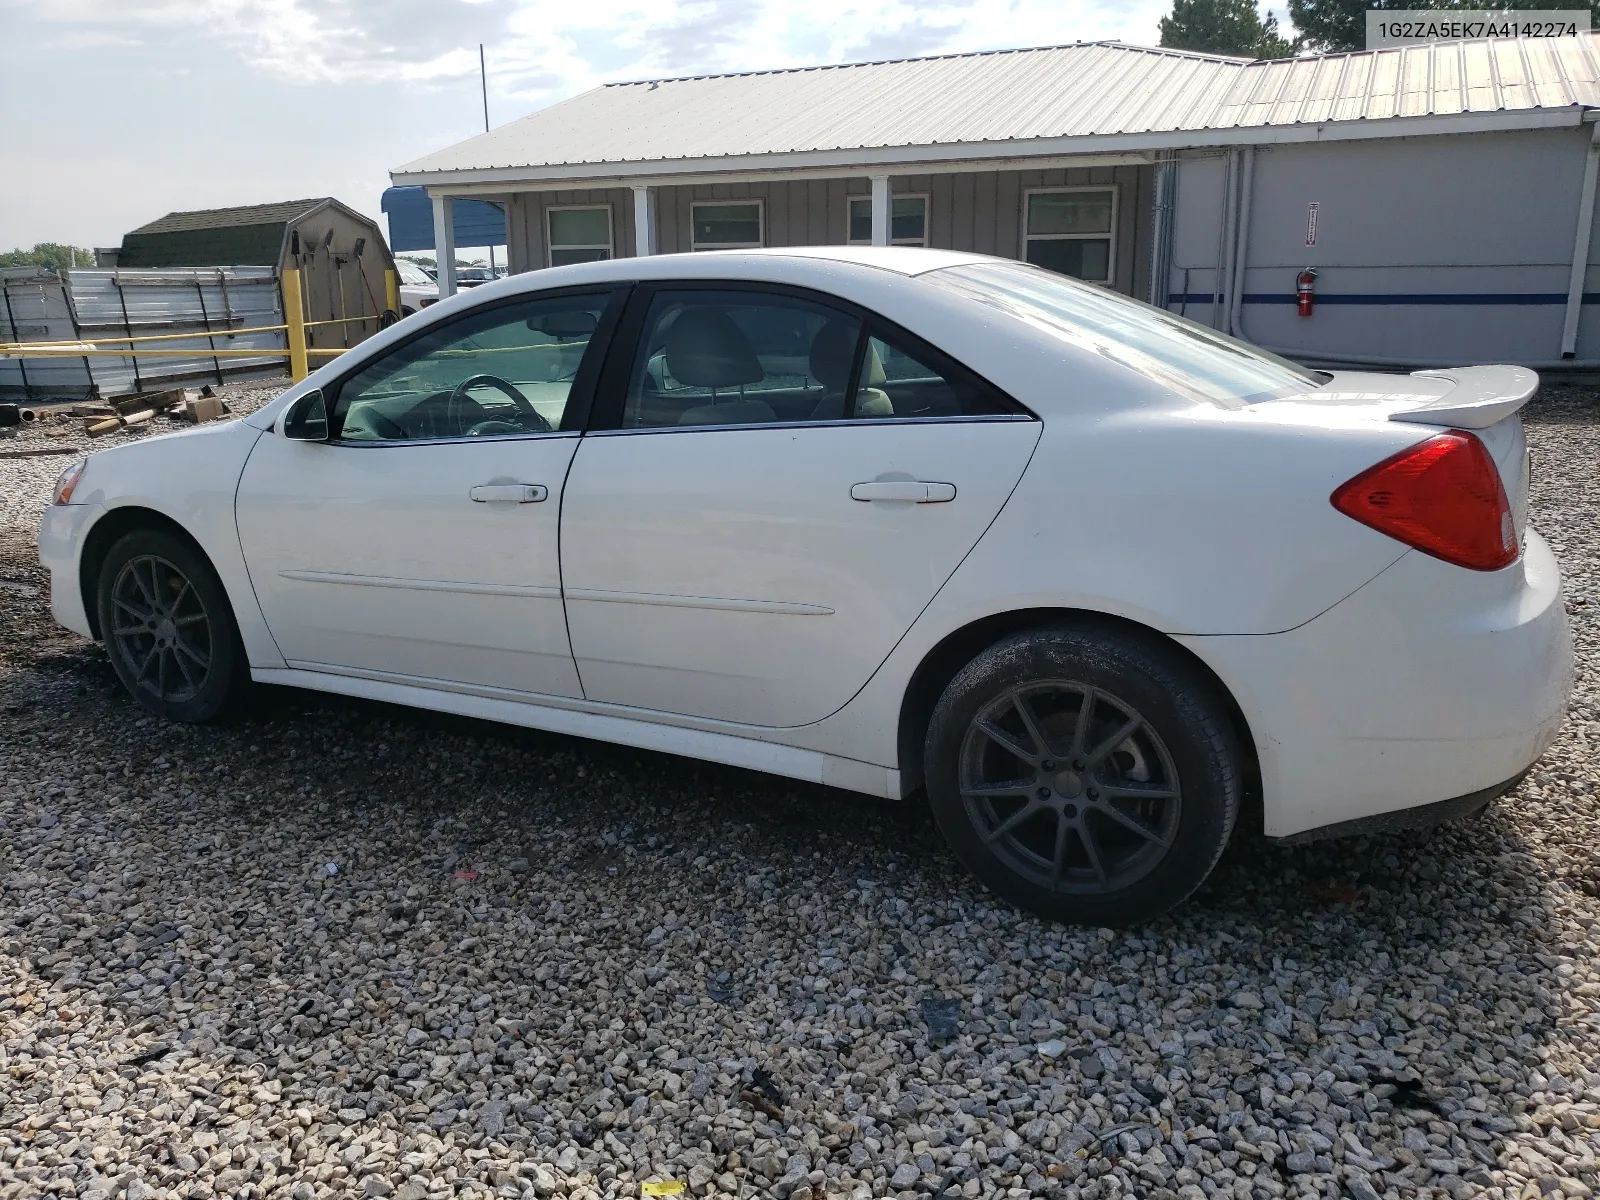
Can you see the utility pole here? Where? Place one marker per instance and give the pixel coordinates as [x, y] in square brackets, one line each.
[483, 80]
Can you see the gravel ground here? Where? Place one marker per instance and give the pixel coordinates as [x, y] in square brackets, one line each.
[337, 948]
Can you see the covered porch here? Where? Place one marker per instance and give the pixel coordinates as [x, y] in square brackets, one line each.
[1091, 216]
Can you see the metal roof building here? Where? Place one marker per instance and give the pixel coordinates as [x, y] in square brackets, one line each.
[1419, 182]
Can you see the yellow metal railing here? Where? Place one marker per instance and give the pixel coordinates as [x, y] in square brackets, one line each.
[293, 328]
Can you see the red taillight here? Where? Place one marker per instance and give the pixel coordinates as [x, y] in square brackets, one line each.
[1443, 497]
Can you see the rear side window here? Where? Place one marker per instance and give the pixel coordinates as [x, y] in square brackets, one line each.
[1162, 346]
[897, 382]
[737, 358]
[741, 357]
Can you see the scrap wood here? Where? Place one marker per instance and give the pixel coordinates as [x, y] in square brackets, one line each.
[199, 409]
[38, 452]
[139, 401]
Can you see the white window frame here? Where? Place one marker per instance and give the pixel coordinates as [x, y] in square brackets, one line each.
[1116, 207]
[893, 196]
[761, 218]
[610, 246]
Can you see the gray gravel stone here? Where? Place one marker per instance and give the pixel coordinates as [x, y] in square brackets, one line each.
[189, 1000]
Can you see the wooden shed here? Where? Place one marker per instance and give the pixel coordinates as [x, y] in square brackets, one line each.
[342, 256]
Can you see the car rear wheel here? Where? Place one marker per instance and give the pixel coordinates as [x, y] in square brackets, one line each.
[1086, 775]
[169, 629]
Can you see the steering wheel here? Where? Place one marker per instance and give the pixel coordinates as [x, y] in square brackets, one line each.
[525, 409]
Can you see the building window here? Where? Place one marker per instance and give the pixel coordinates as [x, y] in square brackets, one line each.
[720, 226]
[908, 220]
[1073, 231]
[579, 234]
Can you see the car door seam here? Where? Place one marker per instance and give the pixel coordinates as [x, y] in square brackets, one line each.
[937, 592]
[238, 538]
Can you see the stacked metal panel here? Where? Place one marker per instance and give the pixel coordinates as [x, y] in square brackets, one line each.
[208, 305]
[33, 308]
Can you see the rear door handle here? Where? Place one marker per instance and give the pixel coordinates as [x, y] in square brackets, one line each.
[509, 493]
[916, 491]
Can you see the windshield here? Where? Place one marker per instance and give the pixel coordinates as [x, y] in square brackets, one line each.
[1164, 347]
[410, 273]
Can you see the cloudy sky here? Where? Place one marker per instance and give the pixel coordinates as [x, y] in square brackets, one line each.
[122, 110]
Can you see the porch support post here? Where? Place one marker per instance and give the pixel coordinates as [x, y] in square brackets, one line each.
[1580, 248]
[645, 240]
[444, 245]
[880, 210]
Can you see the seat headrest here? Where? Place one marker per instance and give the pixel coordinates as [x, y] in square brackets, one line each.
[833, 350]
[705, 348]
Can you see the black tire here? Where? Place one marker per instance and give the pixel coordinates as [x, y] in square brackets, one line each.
[1034, 824]
[169, 629]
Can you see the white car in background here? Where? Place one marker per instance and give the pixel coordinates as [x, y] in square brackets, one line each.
[418, 290]
[888, 519]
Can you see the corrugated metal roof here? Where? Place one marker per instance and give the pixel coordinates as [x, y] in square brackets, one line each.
[1091, 89]
[278, 213]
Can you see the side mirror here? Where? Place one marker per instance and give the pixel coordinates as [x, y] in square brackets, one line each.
[307, 419]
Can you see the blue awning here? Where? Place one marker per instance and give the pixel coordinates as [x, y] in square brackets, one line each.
[410, 212]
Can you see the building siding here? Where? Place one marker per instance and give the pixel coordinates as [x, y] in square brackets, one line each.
[978, 211]
[1439, 249]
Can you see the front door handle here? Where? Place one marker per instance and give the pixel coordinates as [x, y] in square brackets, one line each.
[915, 491]
[509, 493]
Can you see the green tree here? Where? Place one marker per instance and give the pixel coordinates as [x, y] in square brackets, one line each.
[1224, 27]
[47, 254]
[1332, 25]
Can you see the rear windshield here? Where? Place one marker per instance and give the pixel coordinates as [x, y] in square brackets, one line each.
[1169, 349]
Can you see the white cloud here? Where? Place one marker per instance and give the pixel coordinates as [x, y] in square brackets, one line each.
[175, 104]
[541, 50]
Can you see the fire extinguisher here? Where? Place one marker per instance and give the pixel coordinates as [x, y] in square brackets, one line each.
[1304, 285]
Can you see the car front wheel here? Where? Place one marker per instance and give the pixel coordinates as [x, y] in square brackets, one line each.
[169, 629]
[1087, 775]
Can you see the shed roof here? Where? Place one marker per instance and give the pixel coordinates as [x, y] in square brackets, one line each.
[278, 213]
[1043, 95]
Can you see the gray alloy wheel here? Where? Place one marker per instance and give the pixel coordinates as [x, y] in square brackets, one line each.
[168, 627]
[1070, 787]
[1088, 772]
[161, 631]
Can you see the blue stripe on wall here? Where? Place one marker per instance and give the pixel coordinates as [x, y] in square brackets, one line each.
[1428, 298]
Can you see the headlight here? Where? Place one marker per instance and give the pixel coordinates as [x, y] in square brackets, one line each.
[68, 480]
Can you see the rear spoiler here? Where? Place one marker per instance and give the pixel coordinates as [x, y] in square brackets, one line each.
[1482, 396]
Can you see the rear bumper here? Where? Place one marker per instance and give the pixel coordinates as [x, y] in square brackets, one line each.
[1428, 686]
[1424, 816]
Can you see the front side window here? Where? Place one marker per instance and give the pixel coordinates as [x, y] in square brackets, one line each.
[749, 358]
[579, 234]
[719, 226]
[1171, 350]
[1071, 232]
[507, 371]
[908, 220]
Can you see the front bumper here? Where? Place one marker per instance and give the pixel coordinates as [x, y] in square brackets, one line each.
[1426, 686]
[61, 537]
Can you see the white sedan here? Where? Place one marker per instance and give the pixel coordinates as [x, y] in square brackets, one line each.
[1090, 576]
